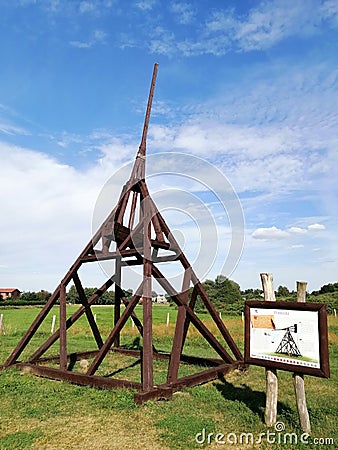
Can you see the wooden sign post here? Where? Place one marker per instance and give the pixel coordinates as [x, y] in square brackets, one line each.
[298, 379]
[270, 374]
[291, 336]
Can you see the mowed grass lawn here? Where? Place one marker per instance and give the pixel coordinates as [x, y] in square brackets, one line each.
[45, 414]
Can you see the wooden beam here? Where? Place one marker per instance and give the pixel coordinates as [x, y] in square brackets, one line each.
[204, 376]
[270, 374]
[70, 321]
[147, 351]
[218, 321]
[122, 320]
[298, 379]
[63, 329]
[88, 311]
[117, 299]
[165, 391]
[24, 341]
[205, 332]
[110, 255]
[78, 378]
[177, 346]
[192, 304]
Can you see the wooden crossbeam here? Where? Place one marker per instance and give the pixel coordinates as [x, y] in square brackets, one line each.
[71, 320]
[88, 311]
[176, 350]
[117, 328]
[193, 318]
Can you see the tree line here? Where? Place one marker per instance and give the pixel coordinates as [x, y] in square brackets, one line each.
[225, 294]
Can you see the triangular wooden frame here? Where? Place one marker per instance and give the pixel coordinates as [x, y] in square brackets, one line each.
[134, 245]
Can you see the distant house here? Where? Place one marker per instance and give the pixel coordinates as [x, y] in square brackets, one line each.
[160, 299]
[6, 293]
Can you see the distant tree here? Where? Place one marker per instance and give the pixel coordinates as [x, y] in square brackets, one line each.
[225, 295]
[252, 293]
[330, 299]
[73, 296]
[108, 298]
[220, 279]
[29, 296]
[43, 296]
[247, 292]
[128, 293]
[327, 288]
[282, 291]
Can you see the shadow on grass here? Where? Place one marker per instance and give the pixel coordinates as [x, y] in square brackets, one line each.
[254, 400]
[135, 345]
[136, 363]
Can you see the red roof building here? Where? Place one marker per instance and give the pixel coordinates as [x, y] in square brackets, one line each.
[6, 293]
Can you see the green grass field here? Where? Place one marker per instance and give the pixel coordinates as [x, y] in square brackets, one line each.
[45, 414]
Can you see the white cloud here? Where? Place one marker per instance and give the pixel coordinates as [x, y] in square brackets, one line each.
[46, 216]
[297, 230]
[162, 41]
[272, 22]
[86, 7]
[316, 227]
[202, 136]
[98, 37]
[264, 26]
[297, 246]
[49, 209]
[127, 41]
[268, 141]
[146, 5]
[329, 10]
[12, 129]
[183, 11]
[251, 156]
[269, 233]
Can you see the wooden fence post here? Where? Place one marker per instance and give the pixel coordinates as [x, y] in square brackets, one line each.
[52, 328]
[2, 327]
[270, 374]
[298, 379]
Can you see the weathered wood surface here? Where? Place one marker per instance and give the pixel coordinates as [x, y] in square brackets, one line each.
[298, 379]
[270, 374]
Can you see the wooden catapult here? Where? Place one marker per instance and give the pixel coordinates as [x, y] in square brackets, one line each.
[146, 242]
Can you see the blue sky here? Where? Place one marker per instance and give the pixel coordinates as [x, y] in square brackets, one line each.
[250, 86]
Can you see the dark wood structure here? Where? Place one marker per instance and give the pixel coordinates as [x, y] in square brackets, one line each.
[134, 233]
